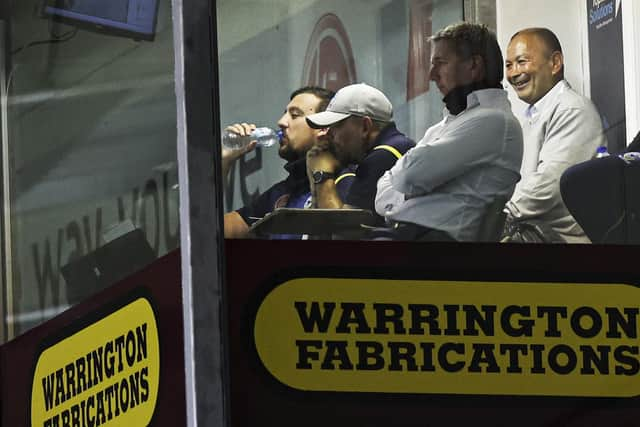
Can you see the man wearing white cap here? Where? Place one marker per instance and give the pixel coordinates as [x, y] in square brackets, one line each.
[440, 189]
[297, 139]
[360, 131]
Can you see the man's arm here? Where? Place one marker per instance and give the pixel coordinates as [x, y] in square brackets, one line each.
[325, 194]
[436, 160]
[573, 135]
[234, 226]
[230, 156]
[386, 196]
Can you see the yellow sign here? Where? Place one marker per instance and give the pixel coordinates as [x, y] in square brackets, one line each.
[394, 336]
[105, 374]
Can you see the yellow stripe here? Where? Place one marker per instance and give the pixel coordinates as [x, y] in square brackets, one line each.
[390, 149]
[343, 176]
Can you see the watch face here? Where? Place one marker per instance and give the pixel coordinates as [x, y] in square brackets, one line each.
[317, 177]
[320, 176]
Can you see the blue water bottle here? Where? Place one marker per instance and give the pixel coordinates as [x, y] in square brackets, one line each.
[602, 152]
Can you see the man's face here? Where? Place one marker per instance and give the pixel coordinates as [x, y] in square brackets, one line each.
[448, 70]
[297, 136]
[347, 140]
[530, 67]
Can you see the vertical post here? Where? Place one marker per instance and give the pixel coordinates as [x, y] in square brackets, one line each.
[201, 237]
[481, 12]
[6, 280]
[469, 10]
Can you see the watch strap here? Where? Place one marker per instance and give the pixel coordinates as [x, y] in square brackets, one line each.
[321, 176]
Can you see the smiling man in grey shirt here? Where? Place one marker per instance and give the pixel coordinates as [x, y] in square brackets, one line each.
[440, 189]
[560, 127]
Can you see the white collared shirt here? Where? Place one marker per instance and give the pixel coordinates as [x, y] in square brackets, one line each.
[457, 169]
[562, 129]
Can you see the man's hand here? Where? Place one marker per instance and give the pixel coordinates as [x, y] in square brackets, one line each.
[229, 156]
[321, 158]
[242, 129]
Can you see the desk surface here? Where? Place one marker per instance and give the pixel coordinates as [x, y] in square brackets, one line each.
[311, 221]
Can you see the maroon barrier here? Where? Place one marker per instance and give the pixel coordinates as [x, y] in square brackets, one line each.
[256, 267]
[160, 284]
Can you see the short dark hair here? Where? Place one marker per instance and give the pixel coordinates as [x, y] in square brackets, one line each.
[548, 39]
[475, 39]
[324, 95]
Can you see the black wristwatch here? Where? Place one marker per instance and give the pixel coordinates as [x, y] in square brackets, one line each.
[321, 176]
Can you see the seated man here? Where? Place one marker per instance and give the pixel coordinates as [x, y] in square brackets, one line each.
[361, 132]
[298, 138]
[440, 189]
[561, 128]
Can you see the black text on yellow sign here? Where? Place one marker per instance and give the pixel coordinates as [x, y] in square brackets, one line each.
[105, 374]
[392, 336]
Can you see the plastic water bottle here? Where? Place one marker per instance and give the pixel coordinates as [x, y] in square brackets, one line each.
[266, 137]
[601, 152]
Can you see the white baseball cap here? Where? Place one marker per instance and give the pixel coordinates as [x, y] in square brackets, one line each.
[353, 100]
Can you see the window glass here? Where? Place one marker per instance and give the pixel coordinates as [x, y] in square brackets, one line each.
[89, 150]
[268, 49]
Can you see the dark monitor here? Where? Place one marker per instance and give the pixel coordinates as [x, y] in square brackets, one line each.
[107, 265]
[129, 18]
